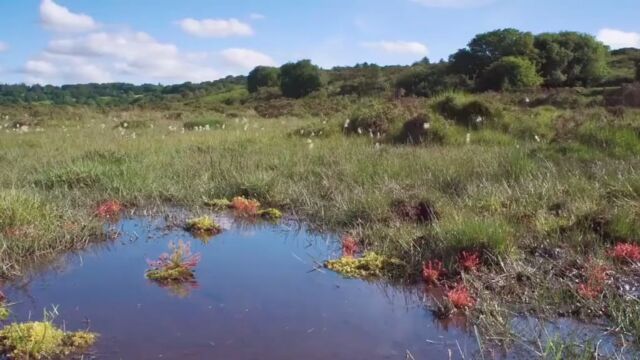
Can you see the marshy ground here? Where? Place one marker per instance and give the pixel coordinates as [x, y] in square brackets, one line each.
[543, 193]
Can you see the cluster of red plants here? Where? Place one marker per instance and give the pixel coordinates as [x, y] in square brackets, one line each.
[460, 297]
[245, 207]
[109, 209]
[469, 260]
[431, 271]
[626, 252]
[349, 246]
[594, 284]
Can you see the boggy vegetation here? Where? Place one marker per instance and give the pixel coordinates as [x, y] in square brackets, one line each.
[531, 194]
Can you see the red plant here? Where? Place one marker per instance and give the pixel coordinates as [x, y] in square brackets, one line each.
[109, 209]
[246, 207]
[431, 271]
[460, 297]
[176, 266]
[469, 261]
[594, 285]
[626, 252]
[349, 246]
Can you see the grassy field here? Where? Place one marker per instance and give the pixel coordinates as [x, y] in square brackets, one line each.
[543, 192]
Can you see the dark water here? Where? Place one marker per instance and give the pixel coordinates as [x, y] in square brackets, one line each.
[257, 297]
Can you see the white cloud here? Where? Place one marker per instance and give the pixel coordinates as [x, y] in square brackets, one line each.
[3, 46]
[619, 39]
[215, 27]
[246, 58]
[459, 4]
[256, 16]
[59, 18]
[398, 47]
[125, 56]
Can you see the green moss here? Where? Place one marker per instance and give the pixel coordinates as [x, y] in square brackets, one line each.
[371, 265]
[202, 224]
[39, 340]
[4, 312]
[218, 203]
[171, 274]
[270, 214]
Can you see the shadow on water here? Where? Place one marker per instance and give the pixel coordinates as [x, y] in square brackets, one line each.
[258, 294]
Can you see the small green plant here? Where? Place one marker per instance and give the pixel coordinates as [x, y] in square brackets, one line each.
[4, 312]
[203, 124]
[203, 225]
[176, 267]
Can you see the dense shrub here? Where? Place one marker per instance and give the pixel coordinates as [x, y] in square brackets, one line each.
[627, 95]
[510, 73]
[263, 77]
[472, 114]
[299, 79]
[421, 129]
[373, 118]
[430, 80]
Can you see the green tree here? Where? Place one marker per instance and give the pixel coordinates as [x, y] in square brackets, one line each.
[263, 76]
[430, 80]
[487, 48]
[571, 59]
[299, 79]
[508, 73]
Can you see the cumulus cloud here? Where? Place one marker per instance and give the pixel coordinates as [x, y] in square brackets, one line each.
[218, 28]
[58, 18]
[3, 46]
[398, 47]
[103, 56]
[617, 39]
[246, 58]
[459, 4]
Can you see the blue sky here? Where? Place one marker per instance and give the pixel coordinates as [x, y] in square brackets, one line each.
[168, 41]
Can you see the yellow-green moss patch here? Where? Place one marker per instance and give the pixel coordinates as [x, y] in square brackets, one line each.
[371, 265]
[41, 340]
[203, 224]
[270, 214]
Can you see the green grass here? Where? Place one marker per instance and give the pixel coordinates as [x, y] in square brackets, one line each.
[502, 191]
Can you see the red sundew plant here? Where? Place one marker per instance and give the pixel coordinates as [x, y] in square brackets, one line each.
[109, 209]
[349, 246]
[626, 252]
[594, 285]
[461, 298]
[246, 207]
[431, 271]
[469, 260]
[178, 266]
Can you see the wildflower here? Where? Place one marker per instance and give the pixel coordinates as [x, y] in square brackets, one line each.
[349, 246]
[626, 252]
[479, 119]
[109, 209]
[468, 138]
[426, 126]
[346, 123]
[432, 271]
[460, 297]
[469, 261]
[537, 138]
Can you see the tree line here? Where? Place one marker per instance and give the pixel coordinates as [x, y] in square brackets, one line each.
[500, 60]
